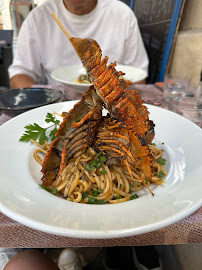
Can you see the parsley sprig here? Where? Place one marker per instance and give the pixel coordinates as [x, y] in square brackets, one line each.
[34, 131]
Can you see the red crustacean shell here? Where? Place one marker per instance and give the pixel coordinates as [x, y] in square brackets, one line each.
[51, 164]
[120, 141]
[75, 135]
[120, 101]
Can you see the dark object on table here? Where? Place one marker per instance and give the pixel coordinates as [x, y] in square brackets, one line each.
[16, 101]
[189, 94]
[5, 62]
[6, 55]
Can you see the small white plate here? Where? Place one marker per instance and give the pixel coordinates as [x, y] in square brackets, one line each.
[23, 200]
[68, 75]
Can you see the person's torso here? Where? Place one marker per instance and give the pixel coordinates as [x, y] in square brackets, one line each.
[102, 24]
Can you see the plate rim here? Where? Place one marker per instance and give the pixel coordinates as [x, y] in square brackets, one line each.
[90, 234]
[97, 234]
[79, 85]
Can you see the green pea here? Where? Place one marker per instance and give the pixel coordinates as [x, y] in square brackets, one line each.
[89, 167]
[130, 185]
[100, 201]
[54, 191]
[161, 161]
[133, 197]
[161, 174]
[94, 162]
[94, 192]
[84, 195]
[102, 158]
[92, 200]
[103, 171]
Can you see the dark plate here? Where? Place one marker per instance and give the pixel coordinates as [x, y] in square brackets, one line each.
[16, 101]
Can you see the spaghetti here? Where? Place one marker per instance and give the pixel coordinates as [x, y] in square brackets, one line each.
[82, 181]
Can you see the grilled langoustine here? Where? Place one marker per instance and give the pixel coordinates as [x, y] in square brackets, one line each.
[123, 146]
[75, 135]
[123, 104]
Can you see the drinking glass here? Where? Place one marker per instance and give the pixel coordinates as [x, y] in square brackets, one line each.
[175, 86]
[186, 106]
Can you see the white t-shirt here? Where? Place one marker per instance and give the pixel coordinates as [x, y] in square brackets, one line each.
[42, 46]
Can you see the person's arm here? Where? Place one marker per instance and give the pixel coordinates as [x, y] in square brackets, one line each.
[26, 68]
[21, 81]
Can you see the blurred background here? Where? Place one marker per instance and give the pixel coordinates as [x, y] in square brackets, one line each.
[171, 31]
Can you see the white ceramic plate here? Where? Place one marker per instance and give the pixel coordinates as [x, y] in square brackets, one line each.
[68, 75]
[23, 200]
